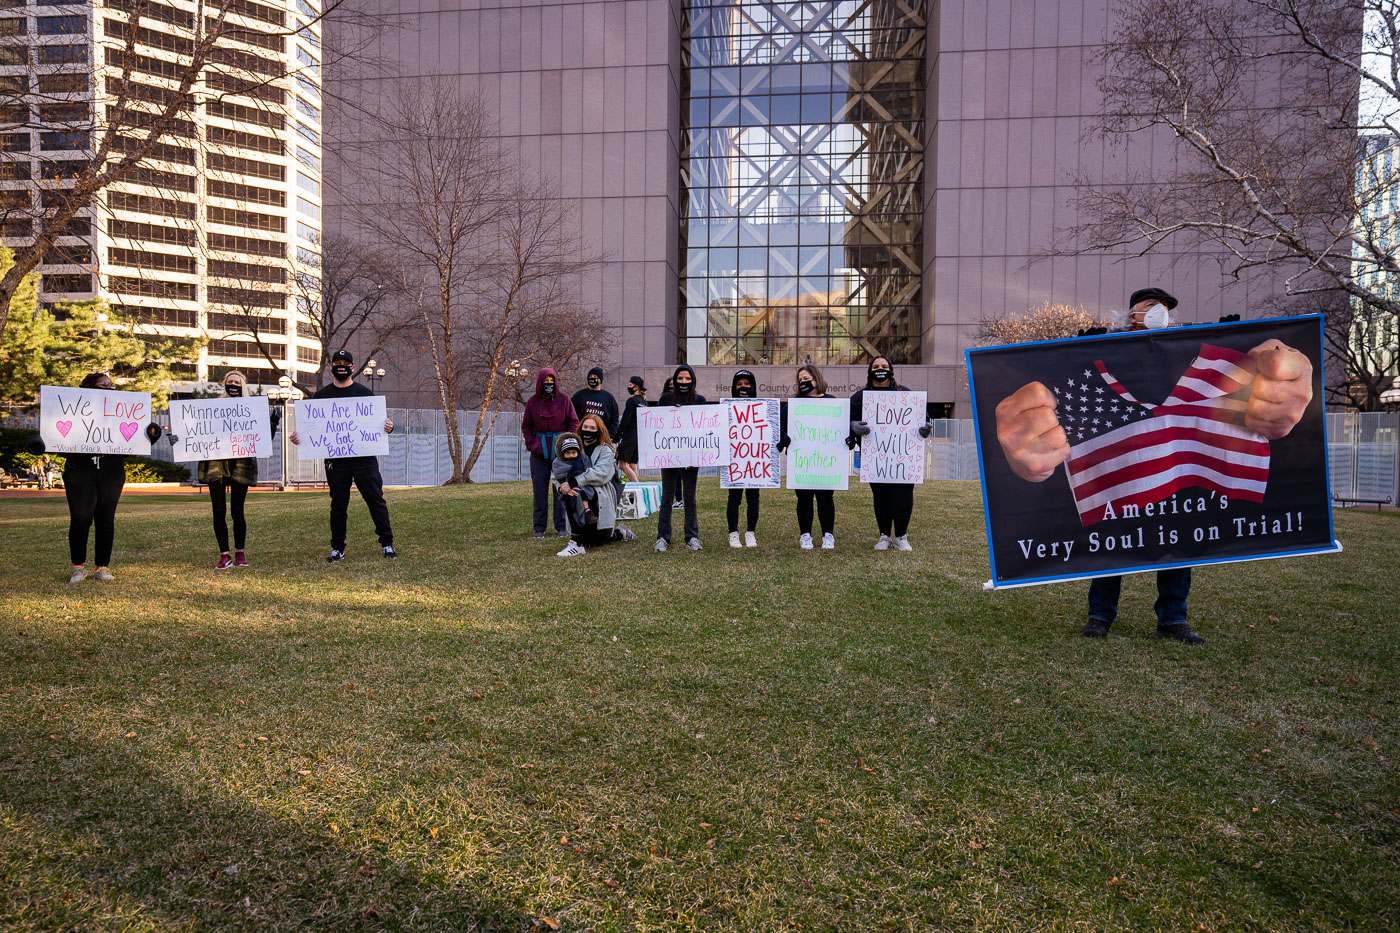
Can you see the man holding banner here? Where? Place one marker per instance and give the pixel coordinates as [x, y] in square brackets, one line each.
[1155, 483]
[363, 471]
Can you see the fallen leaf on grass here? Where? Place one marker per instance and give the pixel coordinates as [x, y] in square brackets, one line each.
[303, 772]
[1273, 617]
[860, 762]
[129, 735]
[369, 871]
[563, 840]
[261, 738]
[822, 822]
[974, 844]
[432, 832]
[1371, 742]
[476, 696]
[1115, 880]
[549, 923]
[704, 825]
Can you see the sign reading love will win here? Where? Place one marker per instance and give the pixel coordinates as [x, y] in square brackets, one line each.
[94, 421]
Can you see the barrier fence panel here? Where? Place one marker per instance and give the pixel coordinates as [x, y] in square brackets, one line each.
[1363, 453]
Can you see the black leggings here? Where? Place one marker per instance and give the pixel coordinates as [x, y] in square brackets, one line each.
[237, 494]
[731, 510]
[92, 501]
[826, 510]
[894, 503]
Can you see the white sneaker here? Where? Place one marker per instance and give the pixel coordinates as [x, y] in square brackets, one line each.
[883, 544]
[805, 542]
[750, 540]
[734, 539]
[79, 575]
[661, 544]
[828, 542]
[627, 533]
[693, 544]
[902, 543]
[103, 575]
[574, 549]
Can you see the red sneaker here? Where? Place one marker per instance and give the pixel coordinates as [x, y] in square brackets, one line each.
[239, 560]
[225, 562]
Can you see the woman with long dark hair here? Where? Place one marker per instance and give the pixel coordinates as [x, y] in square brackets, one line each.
[812, 384]
[234, 477]
[894, 502]
[627, 454]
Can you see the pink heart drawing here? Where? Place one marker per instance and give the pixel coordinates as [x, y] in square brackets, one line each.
[129, 428]
[64, 427]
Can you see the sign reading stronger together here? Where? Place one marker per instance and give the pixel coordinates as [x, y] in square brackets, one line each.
[341, 427]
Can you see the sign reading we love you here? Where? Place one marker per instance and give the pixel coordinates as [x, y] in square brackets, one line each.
[341, 427]
[94, 421]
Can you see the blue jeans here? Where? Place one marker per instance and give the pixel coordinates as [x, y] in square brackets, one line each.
[1173, 587]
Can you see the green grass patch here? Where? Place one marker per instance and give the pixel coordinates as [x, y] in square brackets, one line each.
[480, 735]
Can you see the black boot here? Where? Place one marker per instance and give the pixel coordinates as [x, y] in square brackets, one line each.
[1095, 628]
[1180, 632]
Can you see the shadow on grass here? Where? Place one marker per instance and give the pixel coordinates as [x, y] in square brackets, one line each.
[98, 836]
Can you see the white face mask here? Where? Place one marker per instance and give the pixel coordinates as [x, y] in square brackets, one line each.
[1156, 317]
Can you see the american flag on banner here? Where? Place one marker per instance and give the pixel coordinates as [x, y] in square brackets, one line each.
[1127, 452]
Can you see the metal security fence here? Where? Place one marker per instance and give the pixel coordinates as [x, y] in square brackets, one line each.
[1363, 455]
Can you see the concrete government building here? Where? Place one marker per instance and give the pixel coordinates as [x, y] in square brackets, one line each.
[778, 181]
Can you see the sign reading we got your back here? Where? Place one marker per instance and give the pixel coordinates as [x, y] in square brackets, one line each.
[341, 427]
[94, 421]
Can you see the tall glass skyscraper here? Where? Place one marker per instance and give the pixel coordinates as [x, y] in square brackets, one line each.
[802, 164]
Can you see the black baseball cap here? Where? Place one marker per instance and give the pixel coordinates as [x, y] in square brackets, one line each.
[1143, 294]
[638, 381]
[342, 355]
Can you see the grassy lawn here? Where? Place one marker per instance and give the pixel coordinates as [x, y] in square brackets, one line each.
[481, 735]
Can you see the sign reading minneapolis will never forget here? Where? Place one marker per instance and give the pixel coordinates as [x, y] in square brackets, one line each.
[1160, 463]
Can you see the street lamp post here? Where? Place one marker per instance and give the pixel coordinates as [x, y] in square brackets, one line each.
[283, 394]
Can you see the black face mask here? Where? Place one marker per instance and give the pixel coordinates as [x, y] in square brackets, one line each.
[745, 391]
[549, 388]
[881, 375]
[684, 388]
[589, 437]
[805, 387]
[233, 390]
[594, 382]
[631, 390]
[341, 372]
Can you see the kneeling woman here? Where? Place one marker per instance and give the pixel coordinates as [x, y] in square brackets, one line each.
[601, 477]
[236, 476]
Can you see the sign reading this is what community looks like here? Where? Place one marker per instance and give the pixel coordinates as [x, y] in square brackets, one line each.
[685, 436]
[94, 421]
[220, 428]
[330, 428]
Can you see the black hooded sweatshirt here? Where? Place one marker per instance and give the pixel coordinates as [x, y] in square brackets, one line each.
[674, 397]
[858, 400]
[784, 441]
[734, 384]
[598, 402]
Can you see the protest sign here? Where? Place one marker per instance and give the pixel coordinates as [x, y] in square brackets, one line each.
[220, 428]
[341, 427]
[94, 421]
[817, 456]
[1159, 468]
[893, 451]
[751, 444]
[691, 435]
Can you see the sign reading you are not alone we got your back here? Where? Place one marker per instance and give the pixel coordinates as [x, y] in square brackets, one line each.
[329, 428]
[94, 421]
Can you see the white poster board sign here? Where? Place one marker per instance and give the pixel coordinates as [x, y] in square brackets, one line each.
[94, 421]
[220, 428]
[688, 436]
[817, 456]
[893, 451]
[341, 427]
[752, 430]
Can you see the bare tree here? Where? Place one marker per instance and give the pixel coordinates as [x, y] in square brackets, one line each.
[488, 257]
[136, 122]
[351, 295]
[1047, 322]
[1258, 103]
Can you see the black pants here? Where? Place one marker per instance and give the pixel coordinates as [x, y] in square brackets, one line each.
[678, 480]
[92, 501]
[540, 476]
[731, 511]
[237, 494]
[894, 503]
[364, 473]
[593, 536]
[826, 510]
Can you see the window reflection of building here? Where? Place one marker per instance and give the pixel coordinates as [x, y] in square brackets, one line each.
[802, 165]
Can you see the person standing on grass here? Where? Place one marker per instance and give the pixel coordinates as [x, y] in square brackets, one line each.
[362, 471]
[745, 385]
[811, 384]
[627, 454]
[678, 483]
[93, 484]
[599, 479]
[548, 413]
[597, 400]
[236, 476]
[894, 502]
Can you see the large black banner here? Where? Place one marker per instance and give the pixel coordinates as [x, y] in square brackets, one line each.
[1152, 449]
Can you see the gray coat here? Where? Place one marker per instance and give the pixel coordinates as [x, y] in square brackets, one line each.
[601, 477]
